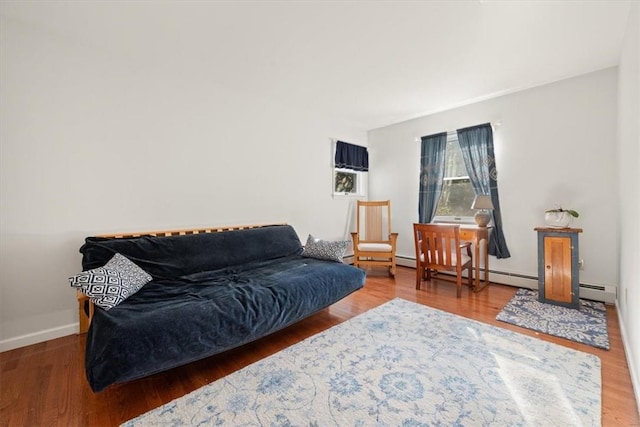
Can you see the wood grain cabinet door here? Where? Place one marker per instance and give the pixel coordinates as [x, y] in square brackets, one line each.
[557, 269]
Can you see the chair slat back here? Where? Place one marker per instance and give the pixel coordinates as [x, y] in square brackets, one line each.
[374, 221]
[438, 243]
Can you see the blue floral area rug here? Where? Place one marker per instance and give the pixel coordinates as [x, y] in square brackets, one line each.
[588, 325]
[401, 364]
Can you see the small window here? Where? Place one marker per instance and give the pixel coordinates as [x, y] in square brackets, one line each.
[350, 167]
[457, 192]
[347, 182]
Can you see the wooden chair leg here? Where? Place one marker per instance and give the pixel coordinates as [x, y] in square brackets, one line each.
[419, 274]
[84, 317]
[459, 283]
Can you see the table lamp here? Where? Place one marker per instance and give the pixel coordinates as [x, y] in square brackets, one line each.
[483, 204]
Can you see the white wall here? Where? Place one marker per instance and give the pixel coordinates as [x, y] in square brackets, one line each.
[629, 205]
[556, 145]
[93, 141]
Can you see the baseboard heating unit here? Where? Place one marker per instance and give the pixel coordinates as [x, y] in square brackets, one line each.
[595, 292]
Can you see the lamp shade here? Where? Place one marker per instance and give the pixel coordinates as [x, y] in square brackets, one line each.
[482, 202]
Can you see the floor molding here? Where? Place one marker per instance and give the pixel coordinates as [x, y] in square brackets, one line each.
[591, 291]
[635, 380]
[38, 337]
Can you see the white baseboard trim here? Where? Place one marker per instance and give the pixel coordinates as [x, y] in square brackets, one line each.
[595, 292]
[406, 262]
[635, 380]
[496, 277]
[38, 337]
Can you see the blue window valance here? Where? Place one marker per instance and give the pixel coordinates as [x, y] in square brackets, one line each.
[349, 156]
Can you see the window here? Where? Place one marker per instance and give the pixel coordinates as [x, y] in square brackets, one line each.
[457, 192]
[347, 182]
[351, 163]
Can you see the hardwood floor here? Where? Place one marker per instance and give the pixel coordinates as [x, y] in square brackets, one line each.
[44, 384]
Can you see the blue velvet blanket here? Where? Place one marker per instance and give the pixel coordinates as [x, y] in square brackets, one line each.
[197, 307]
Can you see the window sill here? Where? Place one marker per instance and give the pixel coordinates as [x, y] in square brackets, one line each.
[454, 220]
[348, 196]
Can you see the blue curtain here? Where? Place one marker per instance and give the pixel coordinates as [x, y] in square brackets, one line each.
[431, 175]
[476, 144]
[349, 156]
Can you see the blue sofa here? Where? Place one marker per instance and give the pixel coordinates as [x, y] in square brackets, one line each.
[210, 293]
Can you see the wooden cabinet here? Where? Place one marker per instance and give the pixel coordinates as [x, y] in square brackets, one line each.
[558, 270]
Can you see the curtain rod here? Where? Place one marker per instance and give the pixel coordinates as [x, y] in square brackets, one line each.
[494, 126]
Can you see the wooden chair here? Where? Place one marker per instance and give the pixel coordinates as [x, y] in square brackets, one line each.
[438, 248]
[373, 242]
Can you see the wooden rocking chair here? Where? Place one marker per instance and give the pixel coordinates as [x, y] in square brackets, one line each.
[373, 242]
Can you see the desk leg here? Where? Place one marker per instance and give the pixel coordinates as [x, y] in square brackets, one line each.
[476, 281]
[486, 264]
[478, 284]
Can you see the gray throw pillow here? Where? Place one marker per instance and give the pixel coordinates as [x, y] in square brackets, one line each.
[111, 284]
[325, 249]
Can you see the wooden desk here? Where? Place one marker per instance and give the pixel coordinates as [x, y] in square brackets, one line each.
[475, 234]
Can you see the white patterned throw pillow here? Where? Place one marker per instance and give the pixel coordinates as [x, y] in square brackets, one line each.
[111, 284]
[325, 249]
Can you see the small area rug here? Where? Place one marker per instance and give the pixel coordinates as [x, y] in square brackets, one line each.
[588, 325]
[401, 364]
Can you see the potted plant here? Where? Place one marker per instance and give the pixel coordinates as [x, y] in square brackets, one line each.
[560, 217]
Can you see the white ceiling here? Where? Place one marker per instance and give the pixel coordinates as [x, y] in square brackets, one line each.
[373, 63]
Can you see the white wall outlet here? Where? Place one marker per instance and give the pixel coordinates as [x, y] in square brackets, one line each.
[581, 264]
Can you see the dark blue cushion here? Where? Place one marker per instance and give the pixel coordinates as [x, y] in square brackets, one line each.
[169, 323]
[176, 256]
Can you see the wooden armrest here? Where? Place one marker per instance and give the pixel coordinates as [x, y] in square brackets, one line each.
[84, 319]
[355, 238]
[466, 245]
